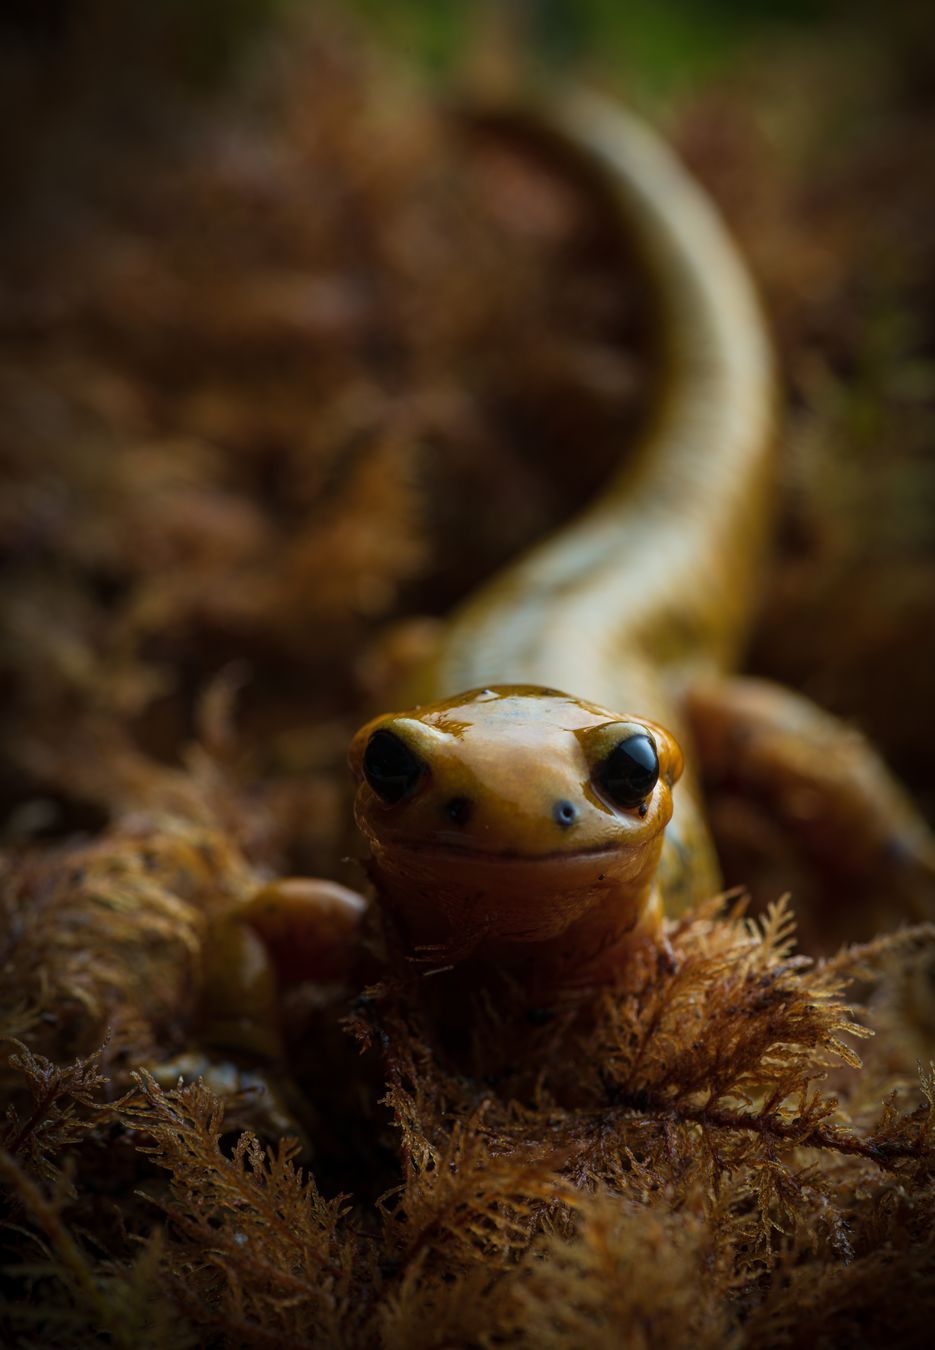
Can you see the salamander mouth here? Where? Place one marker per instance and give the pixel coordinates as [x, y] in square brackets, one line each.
[508, 857]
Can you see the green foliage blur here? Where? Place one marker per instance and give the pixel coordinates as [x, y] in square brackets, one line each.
[656, 47]
[662, 43]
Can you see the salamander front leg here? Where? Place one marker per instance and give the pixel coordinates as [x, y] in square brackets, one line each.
[290, 930]
[823, 782]
[309, 927]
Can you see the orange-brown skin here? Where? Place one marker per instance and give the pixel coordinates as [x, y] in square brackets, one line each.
[291, 929]
[821, 780]
[506, 882]
[307, 925]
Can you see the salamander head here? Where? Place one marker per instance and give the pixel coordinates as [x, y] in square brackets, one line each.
[505, 814]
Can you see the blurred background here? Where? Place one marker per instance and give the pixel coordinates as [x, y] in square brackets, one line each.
[284, 363]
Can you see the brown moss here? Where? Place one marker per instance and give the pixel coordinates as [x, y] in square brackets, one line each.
[702, 1177]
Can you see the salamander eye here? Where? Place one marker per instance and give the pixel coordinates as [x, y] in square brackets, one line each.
[390, 767]
[631, 770]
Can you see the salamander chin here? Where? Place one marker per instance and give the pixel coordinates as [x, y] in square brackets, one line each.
[515, 816]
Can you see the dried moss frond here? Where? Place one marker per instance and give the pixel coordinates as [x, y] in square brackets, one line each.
[460, 1199]
[77, 1298]
[257, 1252]
[630, 1276]
[416, 1313]
[739, 1017]
[65, 1104]
[107, 937]
[693, 1087]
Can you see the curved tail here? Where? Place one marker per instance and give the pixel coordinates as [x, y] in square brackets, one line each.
[657, 575]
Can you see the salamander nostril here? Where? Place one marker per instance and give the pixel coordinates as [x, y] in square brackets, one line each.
[458, 810]
[564, 814]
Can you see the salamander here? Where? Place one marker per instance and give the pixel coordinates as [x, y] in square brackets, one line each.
[655, 582]
[508, 840]
[538, 805]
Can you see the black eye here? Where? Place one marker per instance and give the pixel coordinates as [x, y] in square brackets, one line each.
[631, 770]
[390, 767]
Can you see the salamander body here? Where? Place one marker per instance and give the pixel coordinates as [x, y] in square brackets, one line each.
[637, 609]
[536, 811]
[651, 586]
